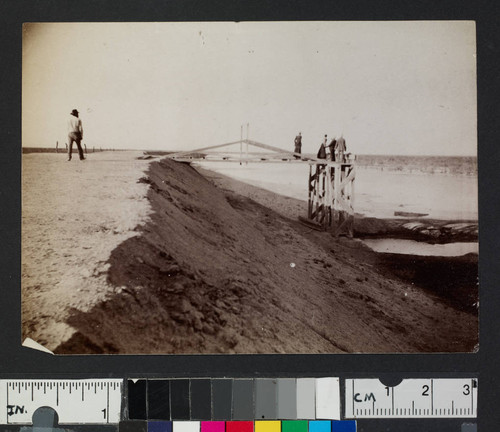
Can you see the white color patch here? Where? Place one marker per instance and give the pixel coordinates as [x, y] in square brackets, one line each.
[328, 398]
[186, 426]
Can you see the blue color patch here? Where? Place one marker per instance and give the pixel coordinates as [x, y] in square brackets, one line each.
[320, 426]
[159, 426]
[344, 426]
[469, 427]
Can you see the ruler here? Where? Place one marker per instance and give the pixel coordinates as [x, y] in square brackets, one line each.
[90, 401]
[412, 398]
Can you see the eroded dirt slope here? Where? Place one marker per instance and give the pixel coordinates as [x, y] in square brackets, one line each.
[216, 272]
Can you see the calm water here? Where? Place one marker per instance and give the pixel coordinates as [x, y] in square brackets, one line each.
[378, 193]
[399, 246]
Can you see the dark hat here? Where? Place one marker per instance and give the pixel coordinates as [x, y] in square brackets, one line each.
[74, 112]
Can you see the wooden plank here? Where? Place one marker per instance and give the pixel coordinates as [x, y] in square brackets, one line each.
[234, 159]
[348, 223]
[311, 224]
[202, 149]
[344, 205]
[277, 149]
[349, 178]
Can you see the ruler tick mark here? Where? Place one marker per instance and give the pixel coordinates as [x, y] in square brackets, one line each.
[432, 396]
[107, 404]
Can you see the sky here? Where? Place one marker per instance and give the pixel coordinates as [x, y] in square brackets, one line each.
[389, 87]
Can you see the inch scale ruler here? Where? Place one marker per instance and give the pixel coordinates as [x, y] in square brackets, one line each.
[99, 401]
[90, 401]
[412, 398]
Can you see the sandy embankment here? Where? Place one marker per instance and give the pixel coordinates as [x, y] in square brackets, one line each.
[73, 215]
[209, 270]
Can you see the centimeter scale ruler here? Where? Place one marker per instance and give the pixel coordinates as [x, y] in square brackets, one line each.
[412, 398]
[101, 401]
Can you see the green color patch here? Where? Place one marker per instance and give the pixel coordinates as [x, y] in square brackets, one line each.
[294, 426]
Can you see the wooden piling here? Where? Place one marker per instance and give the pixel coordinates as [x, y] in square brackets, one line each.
[330, 197]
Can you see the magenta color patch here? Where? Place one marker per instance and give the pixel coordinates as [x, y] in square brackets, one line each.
[213, 426]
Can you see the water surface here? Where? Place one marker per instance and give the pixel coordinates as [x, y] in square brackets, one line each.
[378, 193]
[412, 247]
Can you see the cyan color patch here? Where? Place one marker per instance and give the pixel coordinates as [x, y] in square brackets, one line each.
[320, 426]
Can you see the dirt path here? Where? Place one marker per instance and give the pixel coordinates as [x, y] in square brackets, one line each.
[73, 215]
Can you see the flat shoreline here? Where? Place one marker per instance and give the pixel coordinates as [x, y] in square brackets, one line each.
[430, 230]
[452, 280]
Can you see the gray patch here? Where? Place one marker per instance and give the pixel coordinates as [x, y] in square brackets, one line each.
[243, 399]
[287, 398]
[306, 398]
[222, 399]
[265, 399]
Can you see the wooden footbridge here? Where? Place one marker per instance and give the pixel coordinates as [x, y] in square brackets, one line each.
[330, 183]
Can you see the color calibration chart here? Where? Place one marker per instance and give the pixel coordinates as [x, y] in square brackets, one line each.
[326, 404]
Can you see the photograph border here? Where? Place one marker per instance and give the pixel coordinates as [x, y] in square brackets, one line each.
[17, 362]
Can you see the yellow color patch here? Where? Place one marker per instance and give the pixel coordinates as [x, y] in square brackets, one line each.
[267, 426]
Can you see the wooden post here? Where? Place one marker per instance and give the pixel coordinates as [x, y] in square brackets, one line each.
[248, 134]
[241, 142]
[352, 200]
[309, 197]
[336, 193]
[316, 196]
[57, 146]
[329, 199]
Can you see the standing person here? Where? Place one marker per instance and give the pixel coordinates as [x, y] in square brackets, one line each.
[340, 149]
[331, 146]
[75, 134]
[298, 145]
[322, 149]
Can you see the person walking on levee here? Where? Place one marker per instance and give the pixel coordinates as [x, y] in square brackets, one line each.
[298, 145]
[75, 134]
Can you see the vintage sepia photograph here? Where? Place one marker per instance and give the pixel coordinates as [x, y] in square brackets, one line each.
[250, 187]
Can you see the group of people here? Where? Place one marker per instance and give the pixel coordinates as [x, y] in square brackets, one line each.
[335, 151]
